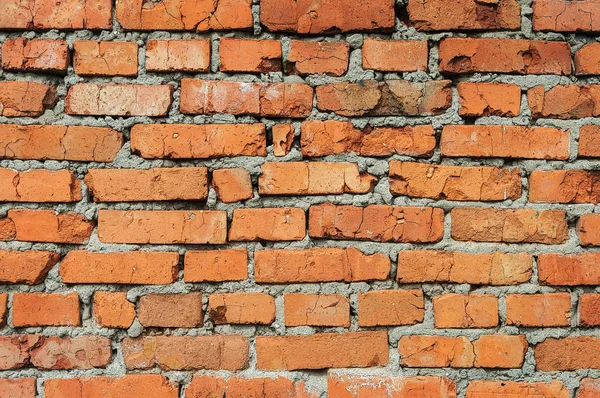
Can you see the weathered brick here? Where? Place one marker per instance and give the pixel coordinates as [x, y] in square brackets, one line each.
[510, 226]
[131, 268]
[589, 141]
[178, 15]
[569, 353]
[313, 178]
[78, 143]
[326, 16]
[25, 98]
[570, 101]
[105, 58]
[29, 267]
[182, 141]
[331, 137]
[564, 186]
[275, 224]
[379, 223]
[319, 265]
[289, 100]
[316, 310]
[178, 55]
[589, 388]
[320, 351]
[23, 387]
[395, 55]
[420, 180]
[465, 311]
[489, 99]
[283, 139]
[318, 57]
[569, 270]
[162, 226]
[357, 386]
[38, 309]
[132, 385]
[215, 265]
[213, 386]
[515, 142]
[508, 389]
[466, 15]
[171, 310]
[232, 185]
[391, 97]
[35, 55]
[3, 308]
[566, 16]
[131, 185]
[81, 352]
[119, 99]
[589, 309]
[47, 226]
[250, 55]
[588, 228]
[113, 310]
[525, 57]
[39, 186]
[540, 310]
[587, 59]
[390, 307]
[216, 352]
[16, 350]
[241, 308]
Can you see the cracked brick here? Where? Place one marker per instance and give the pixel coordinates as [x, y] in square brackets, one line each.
[36, 55]
[215, 265]
[24, 98]
[26, 267]
[310, 57]
[552, 389]
[283, 139]
[538, 310]
[105, 58]
[566, 16]
[232, 185]
[260, 387]
[569, 270]
[129, 385]
[271, 224]
[249, 55]
[113, 310]
[587, 59]
[465, 311]
[316, 310]
[588, 228]
[178, 55]
[359, 385]
[49, 226]
[390, 308]
[39, 309]
[589, 141]
[570, 101]
[241, 308]
[566, 354]
[51, 186]
[489, 99]
[564, 186]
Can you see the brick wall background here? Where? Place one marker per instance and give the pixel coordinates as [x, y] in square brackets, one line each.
[286, 198]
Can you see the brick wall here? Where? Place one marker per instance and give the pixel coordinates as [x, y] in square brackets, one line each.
[284, 198]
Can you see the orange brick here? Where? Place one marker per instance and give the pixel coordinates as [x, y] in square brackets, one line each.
[166, 227]
[3, 308]
[316, 310]
[213, 386]
[320, 351]
[390, 307]
[395, 55]
[178, 55]
[588, 229]
[589, 309]
[589, 388]
[64, 353]
[569, 353]
[587, 59]
[105, 58]
[29, 267]
[18, 387]
[507, 389]
[38, 309]
[36, 55]
[113, 310]
[569, 101]
[566, 16]
[489, 99]
[569, 270]
[249, 55]
[171, 310]
[540, 310]
[358, 386]
[313, 57]
[39, 186]
[25, 98]
[564, 186]
[379, 223]
[232, 185]
[131, 268]
[47, 226]
[465, 311]
[589, 141]
[132, 385]
[283, 139]
[420, 180]
[287, 223]
[241, 308]
[215, 265]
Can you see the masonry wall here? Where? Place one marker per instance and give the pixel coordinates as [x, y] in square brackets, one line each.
[286, 198]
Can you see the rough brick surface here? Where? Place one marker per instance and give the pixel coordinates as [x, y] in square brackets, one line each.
[489, 99]
[316, 310]
[26, 98]
[37, 55]
[178, 55]
[307, 57]
[552, 309]
[105, 58]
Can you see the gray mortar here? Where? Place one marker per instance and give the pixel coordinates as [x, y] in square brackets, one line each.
[380, 195]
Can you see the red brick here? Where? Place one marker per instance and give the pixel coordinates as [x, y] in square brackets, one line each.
[289, 100]
[313, 178]
[67, 14]
[569, 353]
[525, 57]
[216, 352]
[119, 99]
[189, 15]
[424, 266]
[131, 185]
[39, 186]
[589, 141]
[132, 385]
[465, 311]
[588, 229]
[510, 226]
[18, 387]
[241, 308]
[319, 265]
[566, 16]
[36, 55]
[215, 265]
[587, 59]
[569, 101]
[395, 55]
[420, 180]
[3, 308]
[378, 223]
[320, 351]
[78, 143]
[249, 55]
[331, 137]
[589, 388]
[390, 307]
[283, 139]
[489, 99]
[274, 224]
[318, 57]
[29, 267]
[47, 226]
[391, 97]
[181, 141]
[16, 350]
[213, 386]
[569, 270]
[469, 15]
[539, 310]
[316, 310]
[81, 352]
[359, 386]
[131, 268]
[564, 186]
[589, 309]
[162, 226]
[178, 55]
[25, 98]
[171, 310]
[232, 185]
[325, 16]
[105, 58]
[514, 142]
[38, 309]
[112, 310]
[509, 389]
